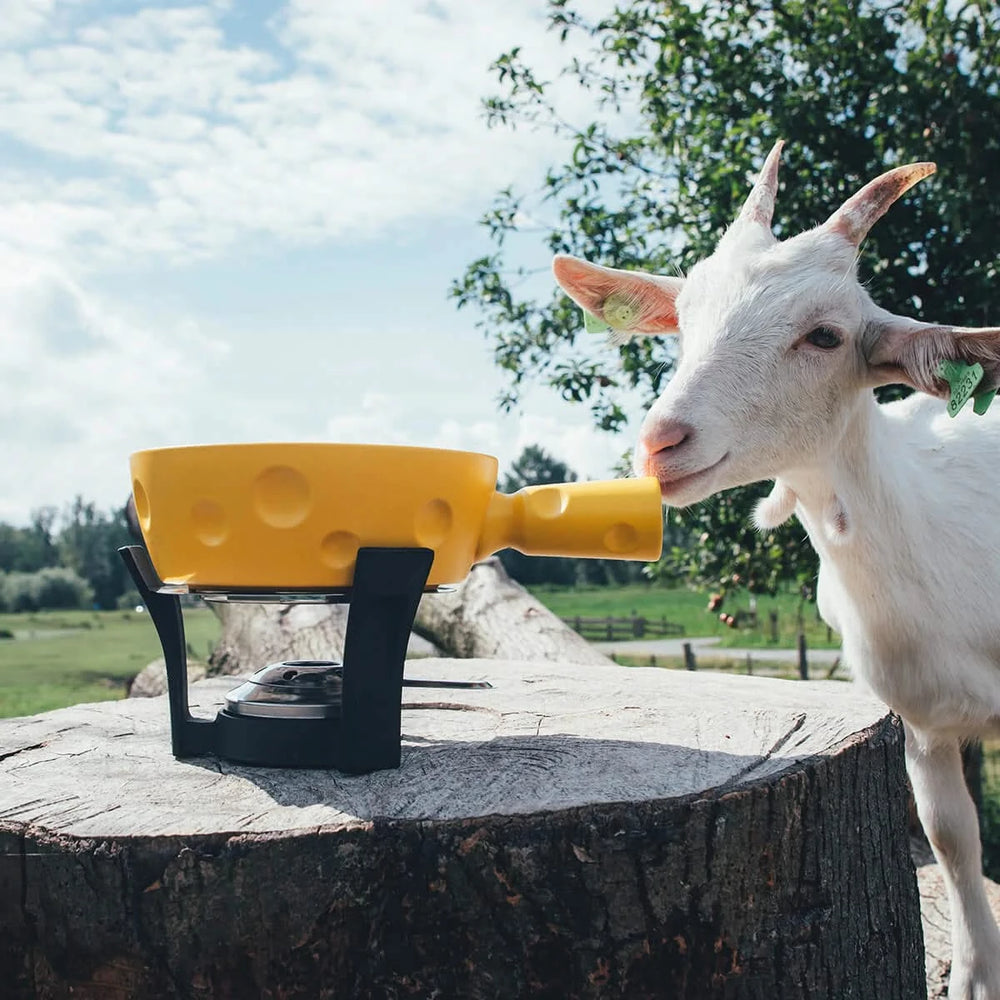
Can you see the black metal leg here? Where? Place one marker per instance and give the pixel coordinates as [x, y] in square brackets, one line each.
[387, 587]
[189, 736]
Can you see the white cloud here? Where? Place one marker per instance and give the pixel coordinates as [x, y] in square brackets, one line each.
[347, 120]
[568, 436]
[22, 20]
[82, 385]
[152, 137]
[590, 453]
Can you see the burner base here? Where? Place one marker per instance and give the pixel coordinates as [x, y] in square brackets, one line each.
[387, 587]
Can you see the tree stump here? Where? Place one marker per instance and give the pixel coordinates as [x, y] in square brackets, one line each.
[936, 915]
[573, 832]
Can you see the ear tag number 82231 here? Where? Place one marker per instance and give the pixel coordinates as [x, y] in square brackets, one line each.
[963, 379]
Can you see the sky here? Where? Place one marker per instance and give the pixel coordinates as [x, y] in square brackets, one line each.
[238, 221]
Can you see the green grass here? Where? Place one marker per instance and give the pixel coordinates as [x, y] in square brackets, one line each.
[688, 608]
[761, 667]
[61, 658]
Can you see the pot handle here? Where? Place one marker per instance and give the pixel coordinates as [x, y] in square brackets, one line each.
[616, 519]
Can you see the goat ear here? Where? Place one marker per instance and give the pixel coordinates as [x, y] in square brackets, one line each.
[650, 299]
[907, 351]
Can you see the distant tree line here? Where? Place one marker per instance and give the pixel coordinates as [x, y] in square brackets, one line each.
[65, 559]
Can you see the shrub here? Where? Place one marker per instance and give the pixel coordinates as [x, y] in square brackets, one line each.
[58, 587]
[51, 588]
[129, 600]
[19, 592]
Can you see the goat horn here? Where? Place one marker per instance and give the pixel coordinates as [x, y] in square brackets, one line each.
[759, 206]
[862, 210]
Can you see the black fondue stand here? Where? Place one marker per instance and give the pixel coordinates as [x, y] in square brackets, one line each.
[358, 735]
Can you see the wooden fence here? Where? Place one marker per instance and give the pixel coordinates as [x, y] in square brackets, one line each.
[610, 628]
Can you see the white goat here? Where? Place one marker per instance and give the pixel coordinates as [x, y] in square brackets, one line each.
[780, 347]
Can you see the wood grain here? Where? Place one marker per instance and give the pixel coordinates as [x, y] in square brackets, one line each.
[575, 831]
[543, 737]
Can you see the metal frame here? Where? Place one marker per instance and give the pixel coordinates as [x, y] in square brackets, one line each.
[387, 587]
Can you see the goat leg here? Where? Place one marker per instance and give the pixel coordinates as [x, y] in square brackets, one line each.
[949, 818]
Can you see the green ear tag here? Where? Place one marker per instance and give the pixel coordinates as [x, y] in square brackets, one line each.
[619, 312]
[962, 379]
[592, 324]
[983, 400]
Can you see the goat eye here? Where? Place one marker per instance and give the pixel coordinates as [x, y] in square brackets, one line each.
[823, 337]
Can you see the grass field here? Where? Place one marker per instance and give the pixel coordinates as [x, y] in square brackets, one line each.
[720, 663]
[60, 658]
[66, 657]
[688, 608]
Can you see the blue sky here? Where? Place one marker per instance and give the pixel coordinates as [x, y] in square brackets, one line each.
[239, 221]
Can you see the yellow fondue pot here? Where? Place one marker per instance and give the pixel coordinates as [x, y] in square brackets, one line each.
[293, 516]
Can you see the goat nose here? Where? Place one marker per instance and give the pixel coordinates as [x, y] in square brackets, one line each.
[664, 435]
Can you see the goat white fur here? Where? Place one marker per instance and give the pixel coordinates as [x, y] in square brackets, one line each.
[780, 347]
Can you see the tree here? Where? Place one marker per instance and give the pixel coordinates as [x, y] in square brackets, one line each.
[535, 467]
[27, 550]
[688, 96]
[88, 544]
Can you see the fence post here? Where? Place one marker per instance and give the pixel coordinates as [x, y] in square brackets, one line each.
[689, 660]
[773, 616]
[803, 662]
[749, 666]
[611, 628]
[638, 627]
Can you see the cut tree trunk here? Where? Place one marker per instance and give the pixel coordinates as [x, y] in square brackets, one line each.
[936, 915]
[254, 635]
[488, 615]
[492, 616]
[571, 832]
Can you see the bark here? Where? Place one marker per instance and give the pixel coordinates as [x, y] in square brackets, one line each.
[936, 916]
[572, 832]
[489, 615]
[254, 635]
[492, 616]
[152, 679]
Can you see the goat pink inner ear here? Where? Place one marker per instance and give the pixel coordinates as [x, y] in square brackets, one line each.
[906, 350]
[651, 299]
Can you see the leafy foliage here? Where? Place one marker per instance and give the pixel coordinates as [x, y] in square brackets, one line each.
[89, 543]
[687, 96]
[26, 550]
[65, 561]
[535, 467]
[54, 587]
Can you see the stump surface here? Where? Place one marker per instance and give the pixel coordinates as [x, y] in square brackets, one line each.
[575, 831]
